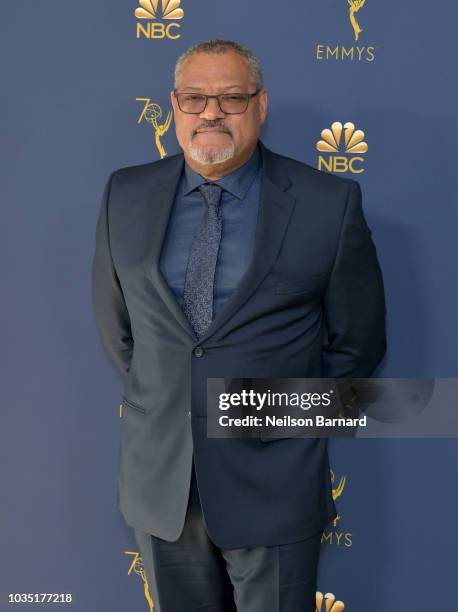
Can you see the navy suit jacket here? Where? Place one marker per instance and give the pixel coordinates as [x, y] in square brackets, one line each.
[310, 304]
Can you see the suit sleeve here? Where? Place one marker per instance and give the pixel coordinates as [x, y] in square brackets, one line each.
[354, 301]
[112, 317]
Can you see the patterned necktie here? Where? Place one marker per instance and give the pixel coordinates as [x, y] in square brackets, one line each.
[200, 273]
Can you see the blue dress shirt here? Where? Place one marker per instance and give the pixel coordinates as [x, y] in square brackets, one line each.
[239, 206]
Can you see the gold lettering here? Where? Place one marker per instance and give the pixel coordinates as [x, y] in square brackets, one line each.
[143, 31]
[322, 162]
[332, 52]
[352, 165]
[172, 25]
[337, 538]
[348, 53]
[326, 52]
[157, 30]
[370, 54]
[340, 164]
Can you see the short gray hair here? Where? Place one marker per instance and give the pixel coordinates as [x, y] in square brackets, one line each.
[219, 46]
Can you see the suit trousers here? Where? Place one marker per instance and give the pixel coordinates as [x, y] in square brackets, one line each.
[192, 574]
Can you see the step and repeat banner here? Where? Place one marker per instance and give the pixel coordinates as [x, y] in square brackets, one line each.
[363, 89]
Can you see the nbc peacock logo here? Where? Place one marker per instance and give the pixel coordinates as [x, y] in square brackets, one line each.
[347, 142]
[328, 603]
[157, 19]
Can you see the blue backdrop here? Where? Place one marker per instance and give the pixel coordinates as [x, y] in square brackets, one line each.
[76, 78]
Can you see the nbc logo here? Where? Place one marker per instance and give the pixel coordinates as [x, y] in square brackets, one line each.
[330, 603]
[150, 11]
[352, 144]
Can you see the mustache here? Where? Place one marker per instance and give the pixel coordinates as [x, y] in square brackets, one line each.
[212, 124]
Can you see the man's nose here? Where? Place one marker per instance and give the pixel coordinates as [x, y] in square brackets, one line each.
[212, 110]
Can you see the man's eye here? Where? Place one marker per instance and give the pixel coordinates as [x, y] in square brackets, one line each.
[233, 98]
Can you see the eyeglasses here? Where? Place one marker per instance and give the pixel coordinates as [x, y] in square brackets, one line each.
[230, 103]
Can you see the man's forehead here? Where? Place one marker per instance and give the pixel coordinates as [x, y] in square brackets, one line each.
[219, 70]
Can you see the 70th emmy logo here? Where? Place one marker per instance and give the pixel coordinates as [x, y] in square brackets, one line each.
[151, 113]
[138, 568]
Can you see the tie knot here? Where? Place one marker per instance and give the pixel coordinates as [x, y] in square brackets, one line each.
[211, 193]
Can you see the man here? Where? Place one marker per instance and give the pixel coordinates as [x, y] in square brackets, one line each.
[228, 260]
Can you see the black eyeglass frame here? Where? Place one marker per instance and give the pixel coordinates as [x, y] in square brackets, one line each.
[248, 97]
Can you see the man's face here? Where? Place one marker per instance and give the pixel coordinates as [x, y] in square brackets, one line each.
[213, 137]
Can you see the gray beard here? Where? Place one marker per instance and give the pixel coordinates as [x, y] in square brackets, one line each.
[211, 157]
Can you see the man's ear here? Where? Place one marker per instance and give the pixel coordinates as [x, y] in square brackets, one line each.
[263, 103]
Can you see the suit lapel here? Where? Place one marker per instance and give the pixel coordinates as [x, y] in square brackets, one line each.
[161, 196]
[275, 208]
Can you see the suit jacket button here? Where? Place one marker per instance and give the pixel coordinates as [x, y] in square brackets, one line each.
[189, 414]
[198, 351]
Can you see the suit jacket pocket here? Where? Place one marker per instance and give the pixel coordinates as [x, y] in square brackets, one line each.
[300, 285]
[133, 405]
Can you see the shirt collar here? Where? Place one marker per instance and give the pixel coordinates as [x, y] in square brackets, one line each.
[237, 182]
